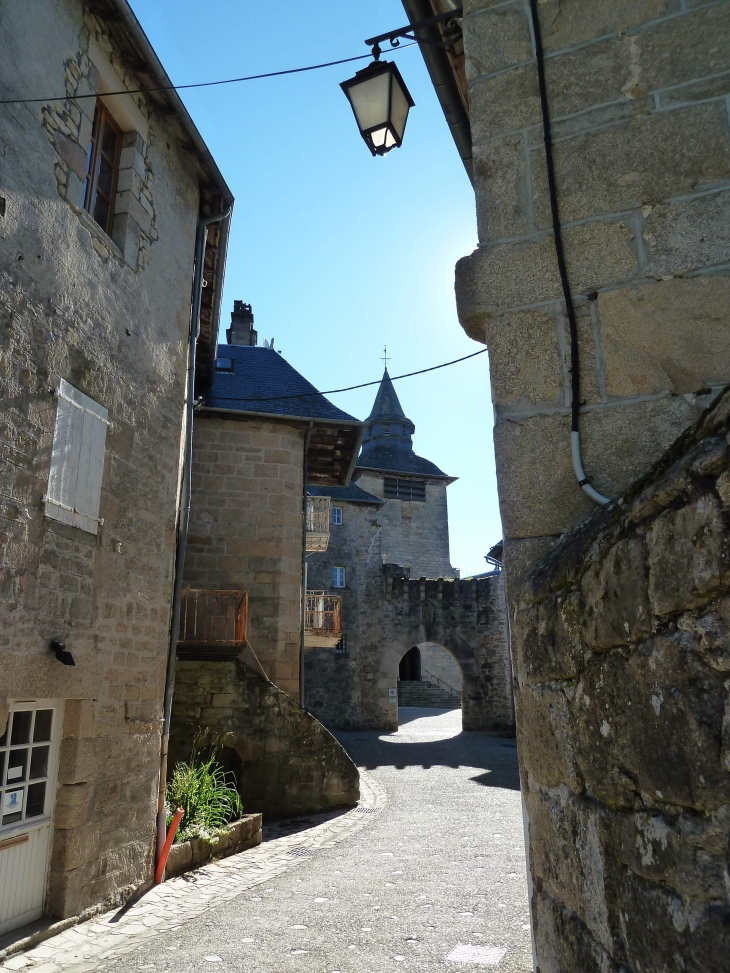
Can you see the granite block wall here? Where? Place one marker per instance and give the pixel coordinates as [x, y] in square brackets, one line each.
[290, 764]
[246, 530]
[622, 651]
[111, 317]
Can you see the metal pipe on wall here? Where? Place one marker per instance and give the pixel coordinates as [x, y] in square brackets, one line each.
[305, 477]
[185, 497]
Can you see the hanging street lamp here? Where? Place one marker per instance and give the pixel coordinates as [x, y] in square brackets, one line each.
[378, 94]
[380, 102]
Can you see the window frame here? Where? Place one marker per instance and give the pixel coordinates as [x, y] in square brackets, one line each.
[335, 569]
[102, 116]
[337, 512]
[49, 779]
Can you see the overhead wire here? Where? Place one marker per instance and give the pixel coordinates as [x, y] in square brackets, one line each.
[350, 388]
[197, 84]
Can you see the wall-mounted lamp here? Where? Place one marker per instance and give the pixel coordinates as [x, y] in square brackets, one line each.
[378, 95]
[61, 654]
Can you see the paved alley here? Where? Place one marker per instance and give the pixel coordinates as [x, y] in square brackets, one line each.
[433, 878]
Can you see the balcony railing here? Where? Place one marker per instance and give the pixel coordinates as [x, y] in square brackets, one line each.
[323, 619]
[318, 523]
[213, 624]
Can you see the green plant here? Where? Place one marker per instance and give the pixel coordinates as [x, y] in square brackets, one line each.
[202, 788]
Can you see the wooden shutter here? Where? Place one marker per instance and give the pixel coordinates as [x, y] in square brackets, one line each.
[77, 460]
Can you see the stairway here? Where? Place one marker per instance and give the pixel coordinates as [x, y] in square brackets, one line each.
[417, 693]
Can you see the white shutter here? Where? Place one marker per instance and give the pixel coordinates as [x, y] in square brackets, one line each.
[77, 460]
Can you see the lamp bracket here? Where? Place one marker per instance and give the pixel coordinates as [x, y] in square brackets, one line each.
[393, 37]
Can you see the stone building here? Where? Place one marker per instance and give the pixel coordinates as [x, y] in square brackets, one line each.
[100, 198]
[597, 137]
[260, 431]
[408, 623]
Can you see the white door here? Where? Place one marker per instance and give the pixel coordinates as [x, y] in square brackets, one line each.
[28, 764]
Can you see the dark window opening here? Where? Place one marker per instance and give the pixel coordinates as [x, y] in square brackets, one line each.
[398, 488]
[224, 364]
[103, 170]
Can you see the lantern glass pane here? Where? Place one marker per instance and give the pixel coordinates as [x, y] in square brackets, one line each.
[382, 137]
[369, 99]
[399, 107]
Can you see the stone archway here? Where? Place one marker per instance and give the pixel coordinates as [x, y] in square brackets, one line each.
[409, 667]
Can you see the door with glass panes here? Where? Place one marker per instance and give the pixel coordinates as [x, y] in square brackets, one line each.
[28, 762]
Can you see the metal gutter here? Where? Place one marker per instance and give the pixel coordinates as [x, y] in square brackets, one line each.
[447, 92]
[280, 415]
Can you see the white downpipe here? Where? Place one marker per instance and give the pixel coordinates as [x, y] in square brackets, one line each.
[580, 473]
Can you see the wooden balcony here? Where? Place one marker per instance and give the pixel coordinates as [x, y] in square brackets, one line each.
[318, 524]
[323, 620]
[213, 624]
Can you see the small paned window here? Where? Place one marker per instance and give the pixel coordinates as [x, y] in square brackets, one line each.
[25, 750]
[337, 515]
[400, 488]
[224, 364]
[341, 647]
[100, 187]
[338, 577]
[77, 460]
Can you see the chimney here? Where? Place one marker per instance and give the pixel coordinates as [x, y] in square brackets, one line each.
[241, 331]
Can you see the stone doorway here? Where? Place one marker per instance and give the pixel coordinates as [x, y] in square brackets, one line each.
[409, 668]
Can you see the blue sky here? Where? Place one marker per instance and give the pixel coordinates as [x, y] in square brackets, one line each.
[339, 253]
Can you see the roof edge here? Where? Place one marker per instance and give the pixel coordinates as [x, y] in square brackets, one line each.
[134, 28]
[249, 414]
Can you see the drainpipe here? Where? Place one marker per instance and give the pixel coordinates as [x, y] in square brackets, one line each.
[201, 234]
[305, 477]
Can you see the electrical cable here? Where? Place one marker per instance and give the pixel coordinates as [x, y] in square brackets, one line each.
[199, 84]
[363, 385]
[583, 480]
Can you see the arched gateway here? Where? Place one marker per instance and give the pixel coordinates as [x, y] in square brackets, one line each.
[389, 537]
[358, 688]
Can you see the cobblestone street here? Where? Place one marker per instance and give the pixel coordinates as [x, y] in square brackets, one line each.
[431, 877]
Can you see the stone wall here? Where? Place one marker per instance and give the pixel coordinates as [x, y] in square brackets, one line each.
[638, 97]
[438, 665]
[358, 690]
[622, 653]
[246, 530]
[290, 764]
[112, 319]
[415, 533]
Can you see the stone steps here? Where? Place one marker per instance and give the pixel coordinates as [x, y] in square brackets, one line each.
[425, 694]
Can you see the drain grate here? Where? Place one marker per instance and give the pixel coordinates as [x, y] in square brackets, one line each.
[302, 852]
[366, 810]
[481, 955]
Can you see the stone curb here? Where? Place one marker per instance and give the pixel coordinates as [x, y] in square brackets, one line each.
[77, 946]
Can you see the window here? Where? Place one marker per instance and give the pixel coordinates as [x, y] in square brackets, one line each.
[25, 764]
[103, 169]
[398, 488]
[337, 515]
[341, 647]
[224, 364]
[338, 577]
[77, 460]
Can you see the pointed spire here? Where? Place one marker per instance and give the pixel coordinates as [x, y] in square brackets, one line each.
[386, 405]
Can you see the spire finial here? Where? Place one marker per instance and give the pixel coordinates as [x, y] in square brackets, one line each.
[385, 356]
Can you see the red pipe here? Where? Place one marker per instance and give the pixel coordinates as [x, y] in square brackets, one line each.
[172, 831]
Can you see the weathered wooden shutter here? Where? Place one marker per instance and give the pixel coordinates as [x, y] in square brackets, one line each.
[77, 460]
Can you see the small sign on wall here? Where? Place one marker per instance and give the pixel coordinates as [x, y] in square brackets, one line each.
[13, 802]
[392, 695]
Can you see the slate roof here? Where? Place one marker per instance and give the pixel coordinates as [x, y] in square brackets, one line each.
[392, 453]
[263, 382]
[351, 493]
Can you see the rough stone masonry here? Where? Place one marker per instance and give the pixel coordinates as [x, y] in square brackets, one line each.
[622, 645]
[638, 97]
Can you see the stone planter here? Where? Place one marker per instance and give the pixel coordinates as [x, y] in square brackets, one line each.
[242, 834]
